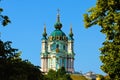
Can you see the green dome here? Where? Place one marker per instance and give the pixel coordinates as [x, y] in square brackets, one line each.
[58, 25]
[57, 32]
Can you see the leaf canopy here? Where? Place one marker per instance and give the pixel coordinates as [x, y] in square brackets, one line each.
[106, 14]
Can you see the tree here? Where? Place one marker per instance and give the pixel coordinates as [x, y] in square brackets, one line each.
[52, 75]
[3, 18]
[61, 72]
[58, 75]
[100, 77]
[7, 52]
[106, 14]
[12, 67]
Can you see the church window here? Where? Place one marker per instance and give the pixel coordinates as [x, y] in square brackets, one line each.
[63, 37]
[64, 47]
[53, 38]
[57, 46]
[58, 37]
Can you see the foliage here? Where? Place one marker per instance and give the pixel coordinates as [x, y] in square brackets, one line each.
[61, 72]
[107, 77]
[101, 77]
[58, 75]
[12, 67]
[7, 52]
[78, 77]
[3, 18]
[51, 75]
[106, 14]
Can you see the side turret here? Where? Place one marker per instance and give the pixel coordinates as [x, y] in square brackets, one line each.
[70, 56]
[70, 42]
[44, 55]
[44, 41]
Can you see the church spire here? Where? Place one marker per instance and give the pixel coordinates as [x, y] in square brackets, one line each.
[58, 25]
[44, 33]
[58, 16]
[71, 33]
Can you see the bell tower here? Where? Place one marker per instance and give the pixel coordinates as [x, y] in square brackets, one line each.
[70, 56]
[44, 53]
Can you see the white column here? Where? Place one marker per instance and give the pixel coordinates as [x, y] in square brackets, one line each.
[41, 64]
[73, 65]
[44, 46]
[70, 46]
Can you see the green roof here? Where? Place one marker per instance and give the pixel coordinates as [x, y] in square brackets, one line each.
[57, 32]
[58, 25]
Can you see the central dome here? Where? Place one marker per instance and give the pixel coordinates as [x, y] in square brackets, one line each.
[57, 32]
[57, 35]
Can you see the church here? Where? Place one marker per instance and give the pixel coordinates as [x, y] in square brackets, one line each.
[57, 49]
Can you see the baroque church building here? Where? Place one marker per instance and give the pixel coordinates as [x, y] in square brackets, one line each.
[57, 49]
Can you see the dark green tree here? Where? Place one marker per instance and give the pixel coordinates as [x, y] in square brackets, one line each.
[7, 52]
[58, 75]
[12, 67]
[106, 14]
[51, 75]
[61, 72]
[3, 18]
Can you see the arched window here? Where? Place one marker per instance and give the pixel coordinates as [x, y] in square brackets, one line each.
[63, 47]
[57, 46]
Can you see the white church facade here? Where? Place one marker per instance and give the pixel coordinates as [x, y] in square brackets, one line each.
[57, 49]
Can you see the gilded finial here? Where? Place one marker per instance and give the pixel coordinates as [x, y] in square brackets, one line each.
[44, 27]
[71, 33]
[58, 15]
[58, 11]
[44, 33]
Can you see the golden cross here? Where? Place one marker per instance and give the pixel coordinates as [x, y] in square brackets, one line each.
[58, 10]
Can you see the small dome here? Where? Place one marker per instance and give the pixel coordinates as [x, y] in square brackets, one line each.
[57, 32]
[71, 34]
[44, 33]
[58, 25]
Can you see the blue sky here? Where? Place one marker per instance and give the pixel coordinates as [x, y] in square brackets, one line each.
[28, 18]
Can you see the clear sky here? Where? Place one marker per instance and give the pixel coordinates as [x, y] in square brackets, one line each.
[28, 18]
